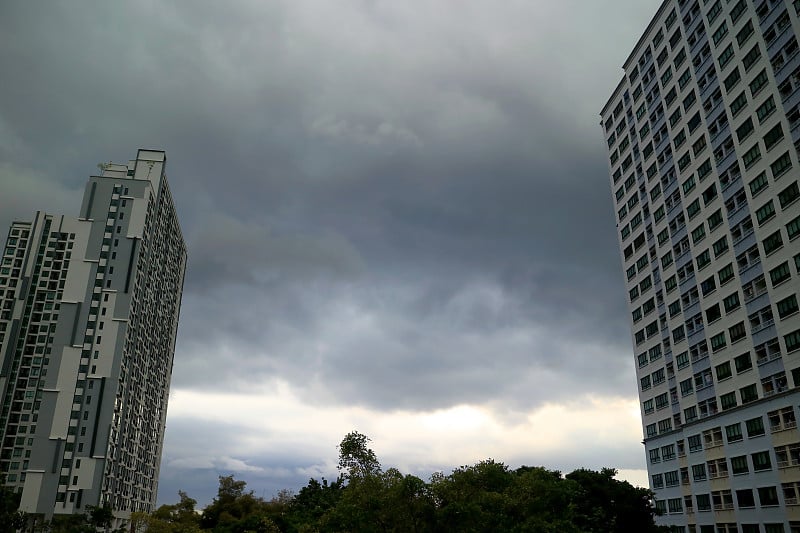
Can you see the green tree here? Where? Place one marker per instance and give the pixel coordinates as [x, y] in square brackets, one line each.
[541, 500]
[71, 523]
[237, 511]
[608, 505]
[473, 498]
[100, 516]
[312, 502]
[10, 518]
[180, 517]
[356, 459]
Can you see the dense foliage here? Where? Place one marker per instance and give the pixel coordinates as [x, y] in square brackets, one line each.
[487, 496]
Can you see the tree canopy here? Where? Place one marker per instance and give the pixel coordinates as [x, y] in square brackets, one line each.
[486, 496]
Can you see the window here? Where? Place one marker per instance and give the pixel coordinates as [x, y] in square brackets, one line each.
[699, 472]
[695, 443]
[745, 498]
[743, 363]
[647, 406]
[662, 400]
[698, 234]
[751, 57]
[713, 313]
[633, 293]
[737, 332]
[751, 156]
[734, 432]
[749, 393]
[731, 81]
[744, 131]
[670, 20]
[787, 306]
[759, 183]
[720, 246]
[724, 371]
[668, 452]
[699, 145]
[789, 195]
[693, 208]
[793, 228]
[703, 379]
[686, 387]
[715, 220]
[720, 33]
[728, 401]
[703, 503]
[759, 82]
[767, 496]
[765, 109]
[739, 465]
[738, 103]
[709, 194]
[726, 56]
[761, 461]
[780, 273]
[694, 122]
[792, 340]
[781, 165]
[709, 285]
[772, 243]
[704, 170]
[745, 33]
[645, 382]
[718, 342]
[658, 481]
[683, 162]
[755, 427]
[731, 302]
[703, 259]
[725, 275]
[773, 136]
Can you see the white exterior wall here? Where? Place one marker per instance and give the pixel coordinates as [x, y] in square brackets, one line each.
[644, 130]
[88, 314]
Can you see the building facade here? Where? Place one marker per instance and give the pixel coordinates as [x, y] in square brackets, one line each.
[88, 318]
[703, 134]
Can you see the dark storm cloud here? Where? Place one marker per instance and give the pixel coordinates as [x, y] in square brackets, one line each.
[402, 205]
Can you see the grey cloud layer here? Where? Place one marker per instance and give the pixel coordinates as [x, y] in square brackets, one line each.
[402, 205]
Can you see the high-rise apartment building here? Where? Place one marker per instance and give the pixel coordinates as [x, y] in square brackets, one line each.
[88, 316]
[703, 134]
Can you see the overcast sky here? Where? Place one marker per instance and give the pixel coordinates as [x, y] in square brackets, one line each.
[397, 213]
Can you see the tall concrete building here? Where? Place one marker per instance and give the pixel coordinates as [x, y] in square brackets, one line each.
[703, 135]
[88, 316]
